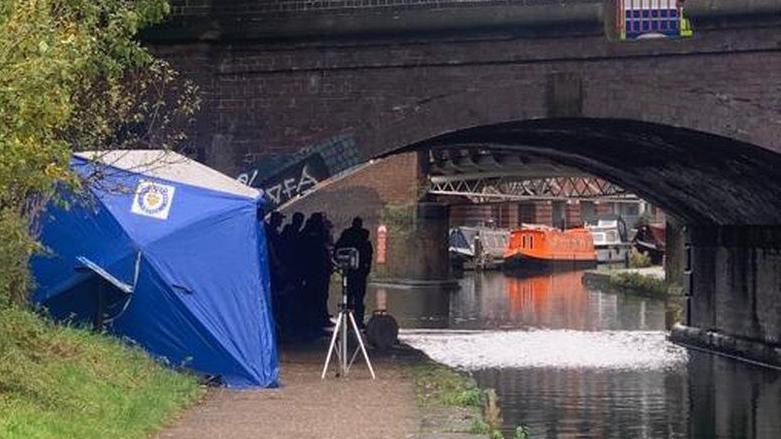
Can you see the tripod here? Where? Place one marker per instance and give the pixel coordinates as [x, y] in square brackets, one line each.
[344, 322]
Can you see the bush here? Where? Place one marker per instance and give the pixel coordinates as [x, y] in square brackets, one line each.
[73, 75]
[639, 284]
[638, 259]
[16, 247]
[522, 432]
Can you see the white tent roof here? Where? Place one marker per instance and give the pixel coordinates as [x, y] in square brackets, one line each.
[171, 166]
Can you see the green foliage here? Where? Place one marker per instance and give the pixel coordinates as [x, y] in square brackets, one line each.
[64, 382]
[479, 427]
[521, 432]
[639, 284]
[440, 385]
[399, 219]
[73, 75]
[638, 259]
[16, 247]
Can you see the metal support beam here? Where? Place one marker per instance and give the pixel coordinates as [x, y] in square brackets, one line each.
[518, 189]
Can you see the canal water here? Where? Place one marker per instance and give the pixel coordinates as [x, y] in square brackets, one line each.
[568, 361]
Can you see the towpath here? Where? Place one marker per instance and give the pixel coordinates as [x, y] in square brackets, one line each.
[308, 407]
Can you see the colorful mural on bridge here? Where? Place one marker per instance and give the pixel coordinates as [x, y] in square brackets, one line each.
[639, 19]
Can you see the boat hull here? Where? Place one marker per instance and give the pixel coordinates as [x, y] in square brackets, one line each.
[613, 254]
[521, 262]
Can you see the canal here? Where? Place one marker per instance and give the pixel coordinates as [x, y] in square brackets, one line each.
[569, 361]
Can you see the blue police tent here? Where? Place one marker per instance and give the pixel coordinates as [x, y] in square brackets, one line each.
[170, 254]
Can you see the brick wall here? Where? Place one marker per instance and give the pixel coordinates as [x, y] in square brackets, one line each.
[603, 209]
[365, 192]
[572, 215]
[263, 98]
[471, 214]
[260, 8]
[506, 214]
[543, 212]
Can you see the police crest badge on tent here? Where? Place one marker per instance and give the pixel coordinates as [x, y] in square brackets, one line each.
[170, 254]
[153, 199]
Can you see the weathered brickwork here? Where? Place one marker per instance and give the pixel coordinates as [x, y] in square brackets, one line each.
[735, 278]
[366, 192]
[280, 7]
[693, 125]
[512, 214]
[264, 98]
[572, 215]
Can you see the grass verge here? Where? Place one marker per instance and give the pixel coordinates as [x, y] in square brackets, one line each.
[62, 382]
[452, 400]
[638, 284]
[439, 385]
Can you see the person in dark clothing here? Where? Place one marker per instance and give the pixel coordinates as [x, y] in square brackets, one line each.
[272, 226]
[276, 266]
[289, 244]
[273, 244]
[315, 261]
[357, 237]
[290, 236]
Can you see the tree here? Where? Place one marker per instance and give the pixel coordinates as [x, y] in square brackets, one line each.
[73, 76]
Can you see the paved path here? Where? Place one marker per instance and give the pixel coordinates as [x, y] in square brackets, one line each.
[306, 407]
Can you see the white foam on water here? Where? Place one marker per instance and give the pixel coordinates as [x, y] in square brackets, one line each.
[563, 349]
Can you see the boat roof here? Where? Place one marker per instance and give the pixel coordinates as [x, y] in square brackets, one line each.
[171, 166]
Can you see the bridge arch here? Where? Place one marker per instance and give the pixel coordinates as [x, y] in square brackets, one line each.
[706, 158]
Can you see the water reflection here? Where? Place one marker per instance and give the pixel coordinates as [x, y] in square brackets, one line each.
[557, 301]
[591, 402]
[573, 362]
[731, 399]
[492, 300]
[712, 397]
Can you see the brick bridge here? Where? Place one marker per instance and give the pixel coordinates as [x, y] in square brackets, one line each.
[693, 125]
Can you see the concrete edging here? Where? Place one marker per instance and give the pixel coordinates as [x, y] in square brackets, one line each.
[449, 284]
[751, 350]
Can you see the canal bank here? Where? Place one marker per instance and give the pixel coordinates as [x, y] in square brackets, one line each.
[569, 360]
[649, 281]
[565, 360]
[412, 397]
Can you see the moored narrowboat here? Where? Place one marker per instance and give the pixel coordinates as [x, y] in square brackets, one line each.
[610, 240]
[477, 247]
[541, 247]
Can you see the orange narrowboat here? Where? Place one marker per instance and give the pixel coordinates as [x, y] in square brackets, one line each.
[538, 246]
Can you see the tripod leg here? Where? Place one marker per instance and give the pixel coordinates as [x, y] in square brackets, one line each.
[332, 344]
[343, 369]
[360, 343]
[355, 352]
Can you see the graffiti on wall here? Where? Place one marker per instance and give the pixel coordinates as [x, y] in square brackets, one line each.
[284, 177]
[295, 180]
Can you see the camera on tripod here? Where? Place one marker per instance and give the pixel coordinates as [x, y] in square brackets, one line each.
[347, 258]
